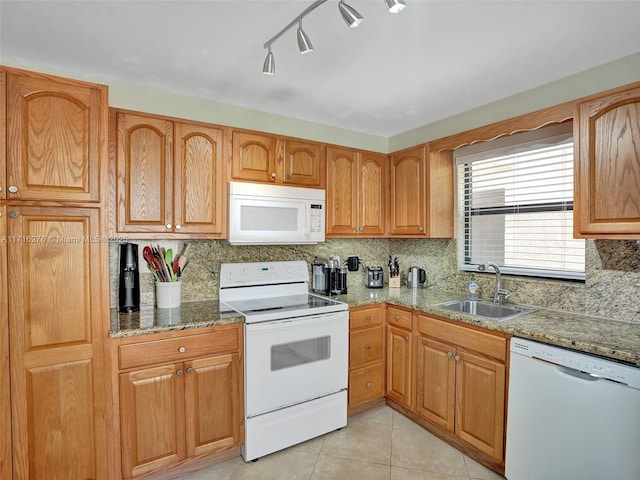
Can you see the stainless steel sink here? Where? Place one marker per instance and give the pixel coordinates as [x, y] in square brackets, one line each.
[484, 309]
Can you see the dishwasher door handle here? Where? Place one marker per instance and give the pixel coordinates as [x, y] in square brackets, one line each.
[572, 372]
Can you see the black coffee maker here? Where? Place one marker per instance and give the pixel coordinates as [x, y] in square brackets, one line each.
[129, 287]
[329, 278]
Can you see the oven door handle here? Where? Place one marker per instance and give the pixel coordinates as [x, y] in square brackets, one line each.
[287, 322]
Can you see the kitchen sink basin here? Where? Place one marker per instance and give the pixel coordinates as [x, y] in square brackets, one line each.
[485, 309]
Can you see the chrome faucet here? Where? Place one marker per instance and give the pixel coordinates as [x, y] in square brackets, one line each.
[499, 293]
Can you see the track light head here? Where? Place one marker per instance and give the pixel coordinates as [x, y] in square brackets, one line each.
[269, 67]
[304, 44]
[395, 6]
[350, 15]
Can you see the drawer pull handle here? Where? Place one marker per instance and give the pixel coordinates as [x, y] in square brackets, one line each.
[368, 385]
[368, 318]
[182, 349]
[397, 317]
[190, 370]
[368, 347]
[168, 225]
[179, 373]
[13, 189]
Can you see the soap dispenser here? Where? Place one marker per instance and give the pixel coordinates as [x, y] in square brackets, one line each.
[473, 289]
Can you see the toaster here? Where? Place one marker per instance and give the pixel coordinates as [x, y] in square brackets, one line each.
[375, 277]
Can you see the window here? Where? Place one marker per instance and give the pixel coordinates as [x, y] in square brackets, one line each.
[515, 205]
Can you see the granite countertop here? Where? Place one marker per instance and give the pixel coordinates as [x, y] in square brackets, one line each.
[154, 320]
[596, 335]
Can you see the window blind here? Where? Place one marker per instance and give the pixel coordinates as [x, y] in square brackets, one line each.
[515, 205]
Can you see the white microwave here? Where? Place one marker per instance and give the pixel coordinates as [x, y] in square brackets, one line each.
[261, 214]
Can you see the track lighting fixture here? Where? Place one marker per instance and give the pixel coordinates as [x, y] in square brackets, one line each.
[395, 6]
[269, 67]
[304, 44]
[349, 14]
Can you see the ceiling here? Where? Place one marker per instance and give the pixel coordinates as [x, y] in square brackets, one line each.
[393, 73]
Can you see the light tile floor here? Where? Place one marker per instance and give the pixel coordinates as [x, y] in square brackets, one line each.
[375, 445]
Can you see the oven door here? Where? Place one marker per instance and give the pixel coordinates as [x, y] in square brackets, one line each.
[295, 360]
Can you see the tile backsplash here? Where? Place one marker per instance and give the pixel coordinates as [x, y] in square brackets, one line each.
[611, 288]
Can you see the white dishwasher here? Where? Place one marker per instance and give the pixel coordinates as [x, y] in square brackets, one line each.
[571, 416]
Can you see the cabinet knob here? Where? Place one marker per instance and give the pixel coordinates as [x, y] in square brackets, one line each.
[190, 370]
[457, 357]
[13, 189]
[182, 349]
[178, 227]
[406, 337]
[0, 188]
[168, 225]
[421, 228]
[13, 214]
[368, 318]
[179, 373]
[449, 354]
[288, 175]
[273, 174]
[368, 385]
[396, 317]
[368, 347]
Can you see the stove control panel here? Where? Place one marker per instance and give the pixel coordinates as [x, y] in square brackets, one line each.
[263, 273]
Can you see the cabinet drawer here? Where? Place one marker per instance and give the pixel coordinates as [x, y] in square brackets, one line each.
[399, 318]
[155, 352]
[366, 317]
[365, 346]
[366, 384]
[481, 342]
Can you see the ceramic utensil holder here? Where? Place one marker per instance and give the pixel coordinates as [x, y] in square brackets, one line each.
[168, 294]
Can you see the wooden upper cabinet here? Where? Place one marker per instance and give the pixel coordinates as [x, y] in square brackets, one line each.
[254, 157]
[199, 190]
[304, 163]
[408, 204]
[259, 157]
[144, 164]
[56, 137]
[607, 162]
[169, 175]
[355, 193]
[3, 137]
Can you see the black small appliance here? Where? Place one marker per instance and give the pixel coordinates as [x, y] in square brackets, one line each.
[329, 278]
[129, 286]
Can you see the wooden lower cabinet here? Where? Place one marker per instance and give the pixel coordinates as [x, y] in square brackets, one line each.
[461, 383]
[182, 409]
[400, 381]
[366, 356]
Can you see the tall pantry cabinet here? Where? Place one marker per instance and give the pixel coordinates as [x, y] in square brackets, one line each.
[52, 260]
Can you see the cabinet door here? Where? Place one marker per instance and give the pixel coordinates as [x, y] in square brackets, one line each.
[304, 163]
[253, 157]
[372, 193]
[342, 192]
[56, 137]
[3, 135]
[608, 166]
[151, 419]
[408, 200]
[199, 196]
[5, 399]
[436, 382]
[480, 402]
[144, 164]
[213, 404]
[399, 366]
[55, 327]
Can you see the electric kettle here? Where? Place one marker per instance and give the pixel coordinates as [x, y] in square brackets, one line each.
[416, 278]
